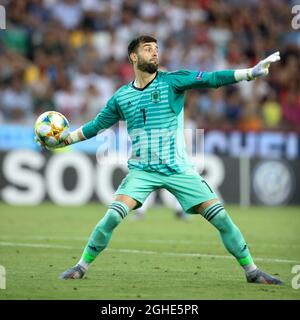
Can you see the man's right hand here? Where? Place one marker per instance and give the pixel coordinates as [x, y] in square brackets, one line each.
[73, 137]
[42, 145]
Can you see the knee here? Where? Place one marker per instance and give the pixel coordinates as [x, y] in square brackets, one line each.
[126, 200]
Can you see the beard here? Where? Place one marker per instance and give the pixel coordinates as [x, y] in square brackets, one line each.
[144, 66]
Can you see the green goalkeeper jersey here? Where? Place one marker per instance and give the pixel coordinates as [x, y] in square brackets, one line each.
[154, 117]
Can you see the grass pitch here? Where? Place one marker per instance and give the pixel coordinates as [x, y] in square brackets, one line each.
[159, 257]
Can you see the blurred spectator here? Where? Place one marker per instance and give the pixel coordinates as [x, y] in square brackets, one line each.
[16, 102]
[250, 119]
[291, 106]
[72, 56]
[44, 102]
[271, 111]
[36, 75]
[103, 83]
[69, 102]
[16, 39]
[92, 98]
[68, 12]
[233, 105]
[217, 108]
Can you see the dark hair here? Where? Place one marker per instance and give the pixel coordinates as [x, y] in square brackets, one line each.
[134, 43]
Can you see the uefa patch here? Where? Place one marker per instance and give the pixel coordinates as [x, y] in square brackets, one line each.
[199, 75]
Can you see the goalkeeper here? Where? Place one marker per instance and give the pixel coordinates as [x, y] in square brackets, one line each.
[153, 107]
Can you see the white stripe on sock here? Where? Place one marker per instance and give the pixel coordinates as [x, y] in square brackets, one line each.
[250, 267]
[83, 264]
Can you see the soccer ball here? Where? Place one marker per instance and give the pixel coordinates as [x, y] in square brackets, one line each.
[51, 128]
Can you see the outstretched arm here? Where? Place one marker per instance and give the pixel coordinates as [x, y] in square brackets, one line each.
[185, 79]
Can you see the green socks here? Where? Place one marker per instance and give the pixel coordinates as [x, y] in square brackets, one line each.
[101, 235]
[231, 235]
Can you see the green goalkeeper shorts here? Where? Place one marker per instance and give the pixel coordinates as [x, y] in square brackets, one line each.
[189, 188]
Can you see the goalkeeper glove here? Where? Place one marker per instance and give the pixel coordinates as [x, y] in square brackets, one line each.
[73, 137]
[261, 69]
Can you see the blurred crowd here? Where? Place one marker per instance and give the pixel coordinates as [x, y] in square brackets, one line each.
[71, 56]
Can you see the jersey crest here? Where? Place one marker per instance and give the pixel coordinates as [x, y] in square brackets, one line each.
[155, 96]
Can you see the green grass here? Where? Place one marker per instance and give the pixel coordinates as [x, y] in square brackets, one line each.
[148, 259]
